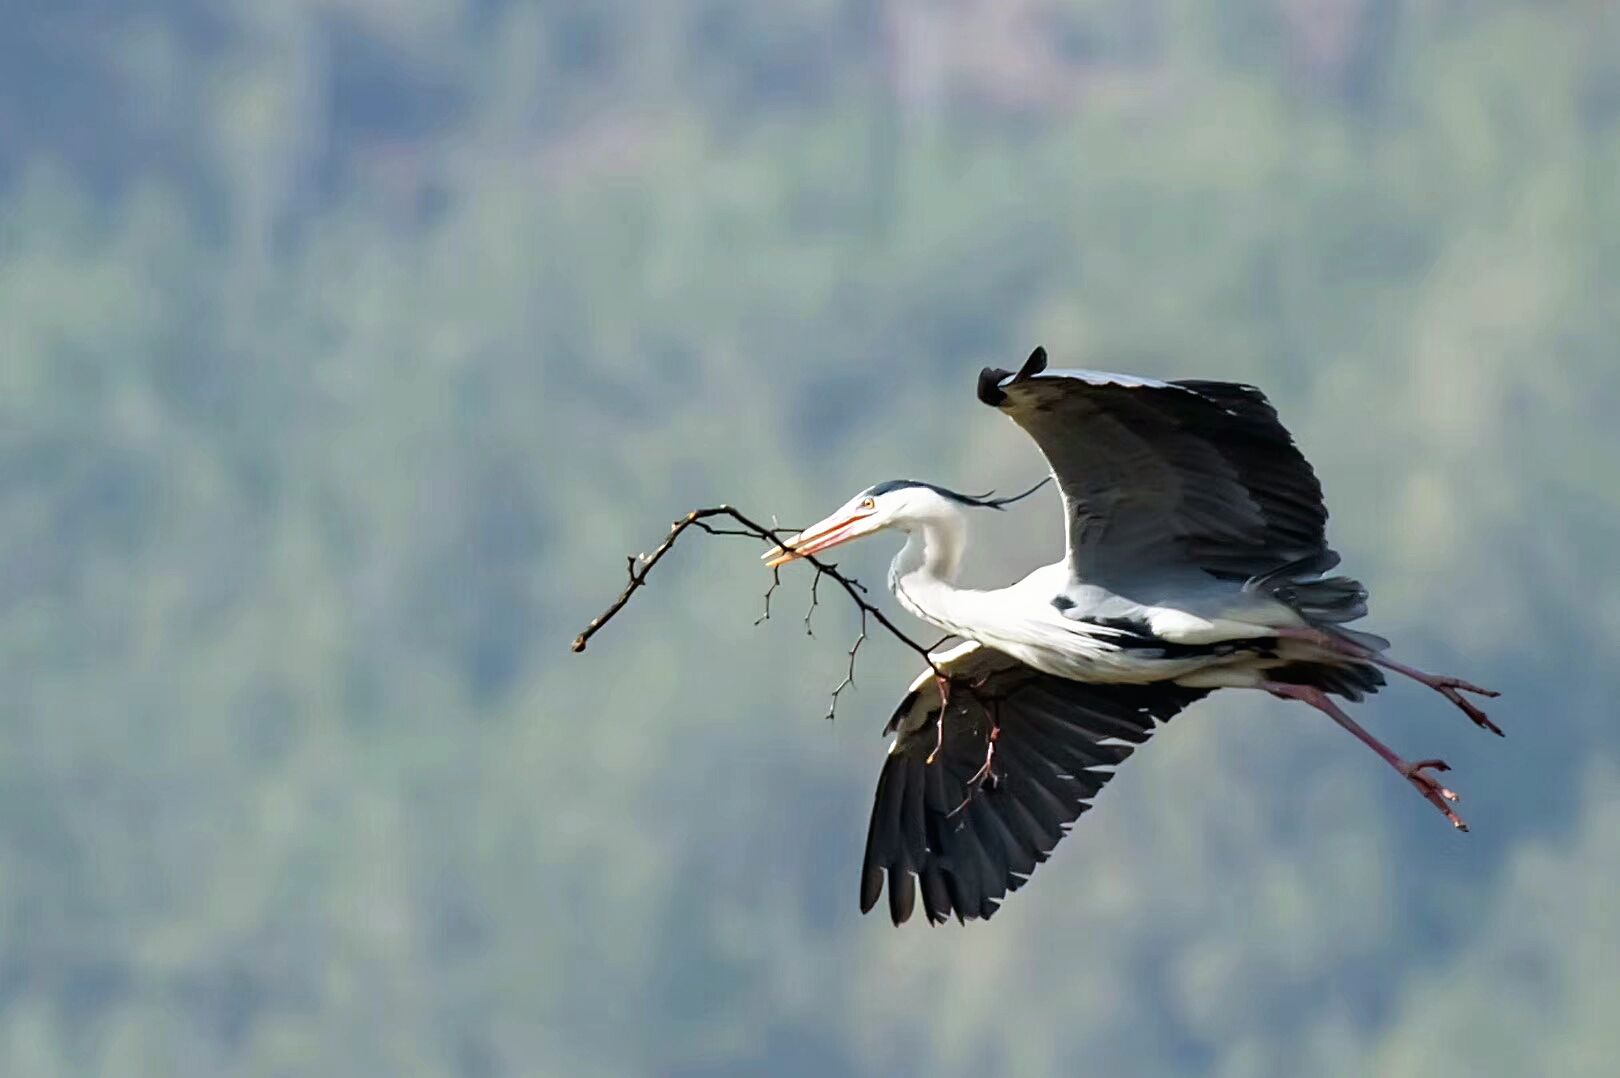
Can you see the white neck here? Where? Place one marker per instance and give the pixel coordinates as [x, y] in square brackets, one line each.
[923, 575]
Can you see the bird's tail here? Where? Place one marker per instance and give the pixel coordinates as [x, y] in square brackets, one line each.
[1325, 602]
[1347, 678]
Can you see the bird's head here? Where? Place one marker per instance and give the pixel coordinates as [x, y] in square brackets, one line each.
[897, 503]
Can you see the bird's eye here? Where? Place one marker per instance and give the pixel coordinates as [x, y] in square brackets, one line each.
[868, 503]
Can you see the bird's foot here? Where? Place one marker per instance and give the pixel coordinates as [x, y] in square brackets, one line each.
[1431, 789]
[986, 772]
[1452, 688]
[985, 776]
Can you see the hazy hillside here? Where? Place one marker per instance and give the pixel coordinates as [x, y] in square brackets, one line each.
[347, 346]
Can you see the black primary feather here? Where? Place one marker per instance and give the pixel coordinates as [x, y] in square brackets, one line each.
[967, 846]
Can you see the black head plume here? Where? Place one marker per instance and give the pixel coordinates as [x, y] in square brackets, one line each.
[987, 500]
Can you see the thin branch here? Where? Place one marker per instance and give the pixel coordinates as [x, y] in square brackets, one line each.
[725, 531]
[638, 579]
[639, 567]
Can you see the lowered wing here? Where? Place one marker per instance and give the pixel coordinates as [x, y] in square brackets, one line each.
[965, 844]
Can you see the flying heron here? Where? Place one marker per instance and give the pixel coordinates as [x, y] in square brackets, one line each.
[1196, 560]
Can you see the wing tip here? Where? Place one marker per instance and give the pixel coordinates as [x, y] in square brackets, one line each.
[871, 886]
[1035, 364]
[990, 378]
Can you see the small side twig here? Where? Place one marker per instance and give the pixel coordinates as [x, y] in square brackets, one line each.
[776, 582]
[815, 586]
[849, 674]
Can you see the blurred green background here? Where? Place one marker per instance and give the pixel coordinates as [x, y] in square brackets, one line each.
[347, 346]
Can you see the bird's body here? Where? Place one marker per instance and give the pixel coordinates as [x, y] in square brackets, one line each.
[1195, 560]
[1090, 633]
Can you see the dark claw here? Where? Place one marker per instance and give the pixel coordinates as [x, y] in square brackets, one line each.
[1480, 718]
[1466, 686]
[1434, 793]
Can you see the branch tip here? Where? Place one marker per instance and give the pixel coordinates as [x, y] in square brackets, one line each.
[852, 587]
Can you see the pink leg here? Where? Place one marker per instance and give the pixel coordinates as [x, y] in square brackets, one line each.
[985, 774]
[1451, 688]
[944, 684]
[1436, 794]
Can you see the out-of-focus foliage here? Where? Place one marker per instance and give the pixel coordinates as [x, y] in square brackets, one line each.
[347, 345]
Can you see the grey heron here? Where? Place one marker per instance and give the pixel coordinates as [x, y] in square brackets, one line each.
[1196, 559]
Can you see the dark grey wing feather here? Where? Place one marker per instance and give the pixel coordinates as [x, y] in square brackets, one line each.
[965, 847]
[1161, 475]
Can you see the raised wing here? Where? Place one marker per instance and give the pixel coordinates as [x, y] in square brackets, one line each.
[967, 844]
[1159, 475]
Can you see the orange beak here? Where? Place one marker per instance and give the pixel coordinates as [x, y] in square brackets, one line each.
[824, 536]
